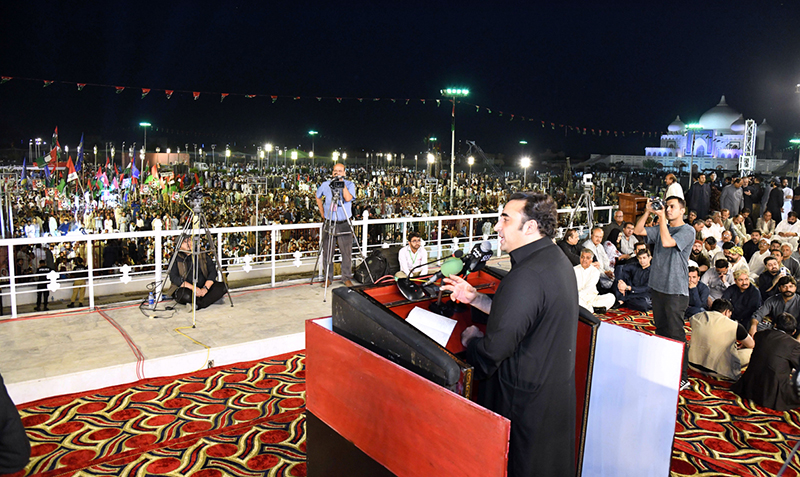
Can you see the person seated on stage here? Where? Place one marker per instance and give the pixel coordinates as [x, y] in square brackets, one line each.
[788, 230]
[745, 298]
[756, 263]
[569, 245]
[767, 380]
[633, 284]
[698, 294]
[207, 288]
[587, 276]
[594, 243]
[715, 335]
[717, 280]
[15, 448]
[413, 255]
[697, 256]
[611, 246]
[786, 301]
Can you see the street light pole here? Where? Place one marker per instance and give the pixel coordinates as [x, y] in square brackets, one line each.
[470, 161]
[312, 133]
[525, 162]
[453, 93]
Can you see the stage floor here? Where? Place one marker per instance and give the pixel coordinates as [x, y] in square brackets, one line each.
[64, 351]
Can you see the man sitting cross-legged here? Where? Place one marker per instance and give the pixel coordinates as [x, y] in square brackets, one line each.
[633, 289]
[715, 335]
[588, 274]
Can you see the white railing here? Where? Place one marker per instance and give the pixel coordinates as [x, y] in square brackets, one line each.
[267, 265]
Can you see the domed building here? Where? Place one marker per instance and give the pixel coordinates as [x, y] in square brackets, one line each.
[718, 142]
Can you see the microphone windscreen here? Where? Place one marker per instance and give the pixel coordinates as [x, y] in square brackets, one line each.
[458, 253]
[452, 266]
[486, 246]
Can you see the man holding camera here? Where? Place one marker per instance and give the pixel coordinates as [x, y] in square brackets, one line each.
[336, 210]
[669, 272]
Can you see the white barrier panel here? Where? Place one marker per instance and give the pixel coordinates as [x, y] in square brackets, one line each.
[633, 403]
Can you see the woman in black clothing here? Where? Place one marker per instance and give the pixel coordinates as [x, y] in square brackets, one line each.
[569, 245]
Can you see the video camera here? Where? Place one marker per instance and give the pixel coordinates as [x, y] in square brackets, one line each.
[197, 194]
[337, 183]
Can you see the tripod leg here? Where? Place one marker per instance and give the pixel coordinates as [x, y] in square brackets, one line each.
[358, 247]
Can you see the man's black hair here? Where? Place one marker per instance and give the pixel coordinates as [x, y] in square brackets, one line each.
[721, 305]
[541, 208]
[721, 263]
[786, 323]
[711, 241]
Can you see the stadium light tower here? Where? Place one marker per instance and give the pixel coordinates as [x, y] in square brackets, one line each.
[453, 93]
[525, 162]
[431, 160]
[144, 125]
[312, 133]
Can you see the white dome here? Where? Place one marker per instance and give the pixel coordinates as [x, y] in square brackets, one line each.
[720, 117]
[677, 125]
[738, 125]
[764, 127]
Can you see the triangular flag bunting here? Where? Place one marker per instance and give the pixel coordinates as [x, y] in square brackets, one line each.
[196, 94]
[169, 93]
[145, 92]
[80, 86]
[119, 89]
[5, 79]
[47, 83]
[251, 96]
[222, 96]
[274, 98]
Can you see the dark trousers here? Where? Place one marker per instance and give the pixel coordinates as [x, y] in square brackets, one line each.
[344, 240]
[42, 295]
[668, 313]
[184, 295]
[15, 448]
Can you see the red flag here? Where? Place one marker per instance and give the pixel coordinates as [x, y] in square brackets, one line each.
[119, 89]
[169, 93]
[196, 94]
[71, 168]
[145, 92]
[89, 184]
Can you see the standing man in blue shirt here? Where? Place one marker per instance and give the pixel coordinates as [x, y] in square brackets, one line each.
[669, 272]
[337, 214]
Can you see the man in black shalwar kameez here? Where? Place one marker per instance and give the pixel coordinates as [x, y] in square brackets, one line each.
[527, 358]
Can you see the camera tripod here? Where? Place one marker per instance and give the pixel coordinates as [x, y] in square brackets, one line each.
[329, 233]
[195, 216]
[585, 200]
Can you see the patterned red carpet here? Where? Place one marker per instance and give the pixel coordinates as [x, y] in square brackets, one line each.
[247, 420]
[242, 420]
[717, 432]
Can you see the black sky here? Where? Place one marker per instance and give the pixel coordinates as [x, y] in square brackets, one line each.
[611, 66]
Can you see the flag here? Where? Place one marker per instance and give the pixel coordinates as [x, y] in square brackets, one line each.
[108, 163]
[56, 146]
[47, 177]
[62, 185]
[79, 164]
[134, 170]
[102, 181]
[23, 179]
[114, 184]
[71, 168]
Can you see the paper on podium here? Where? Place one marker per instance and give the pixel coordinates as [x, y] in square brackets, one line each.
[437, 327]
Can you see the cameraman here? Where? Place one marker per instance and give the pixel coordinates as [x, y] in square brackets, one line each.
[338, 217]
[669, 272]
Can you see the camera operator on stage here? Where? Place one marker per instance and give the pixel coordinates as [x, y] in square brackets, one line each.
[181, 275]
[338, 215]
[527, 357]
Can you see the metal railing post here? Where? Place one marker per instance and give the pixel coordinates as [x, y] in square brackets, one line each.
[159, 285]
[90, 266]
[439, 239]
[364, 234]
[12, 280]
[274, 233]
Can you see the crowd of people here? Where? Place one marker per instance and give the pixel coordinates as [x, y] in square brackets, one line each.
[742, 274]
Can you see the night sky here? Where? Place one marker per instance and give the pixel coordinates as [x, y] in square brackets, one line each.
[626, 67]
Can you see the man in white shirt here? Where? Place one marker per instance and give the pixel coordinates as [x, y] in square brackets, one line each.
[788, 230]
[756, 263]
[587, 277]
[674, 188]
[627, 242]
[595, 245]
[412, 255]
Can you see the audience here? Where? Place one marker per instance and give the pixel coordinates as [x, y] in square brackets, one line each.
[786, 301]
[745, 298]
[698, 294]
[715, 335]
[587, 275]
[633, 290]
[718, 280]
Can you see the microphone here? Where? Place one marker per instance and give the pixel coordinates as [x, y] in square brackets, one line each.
[477, 258]
[414, 291]
[451, 266]
[456, 254]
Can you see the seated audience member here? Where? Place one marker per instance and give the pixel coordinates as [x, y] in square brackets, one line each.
[766, 225]
[711, 249]
[788, 230]
[751, 246]
[698, 294]
[588, 275]
[735, 258]
[796, 254]
[767, 381]
[606, 271]
[768, 280]
[786, 301]
[739, 230]
[633, 261]
[756, 263]
[713, 348]
[207, 289]
[745, 298]
[791, 266]
[717, 280]
[413, 255]
[713, 227]
[15, 448]
[616, 224]
[569, 245]
[698, 225]
[699, 258]
[633, 285]
[611, 246]
[627, 241]
[786, 252]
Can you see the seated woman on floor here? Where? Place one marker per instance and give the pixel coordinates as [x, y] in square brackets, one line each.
[767, 380]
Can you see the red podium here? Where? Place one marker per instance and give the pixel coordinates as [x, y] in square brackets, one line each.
[371, 412]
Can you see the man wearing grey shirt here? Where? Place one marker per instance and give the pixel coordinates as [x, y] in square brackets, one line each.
[784, 302]
[669, 272]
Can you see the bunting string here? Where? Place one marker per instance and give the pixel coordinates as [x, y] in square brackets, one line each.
[195, 95]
